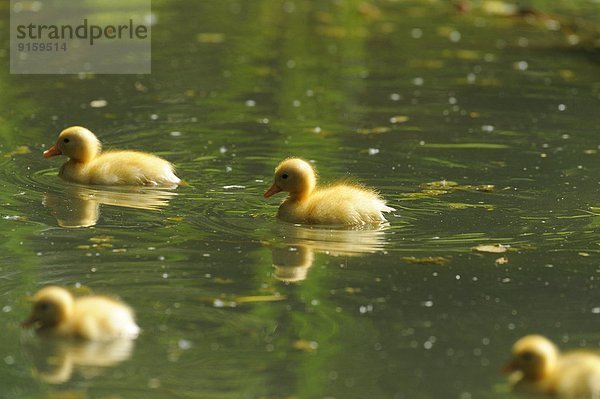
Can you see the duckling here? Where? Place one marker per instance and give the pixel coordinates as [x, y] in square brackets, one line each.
[340, 203]
[94, 318]
[537, 366]
[87, 163]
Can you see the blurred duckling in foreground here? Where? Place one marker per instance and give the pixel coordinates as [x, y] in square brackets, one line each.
[96, 318]
[339, 203]
[537, 366]
[87, 163]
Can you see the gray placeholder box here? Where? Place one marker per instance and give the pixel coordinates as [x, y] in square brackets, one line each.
[73, 37]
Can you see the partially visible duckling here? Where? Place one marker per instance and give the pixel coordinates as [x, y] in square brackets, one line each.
[537, 366]
[87, 163]
[96, 318]
[339, 203]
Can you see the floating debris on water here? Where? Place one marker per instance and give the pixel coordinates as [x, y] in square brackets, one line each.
[210, 37]
[374, 130]
[305, 345]
[491, 248]
[20, 150]
[501, 261]
[432, 260]
[98, 103]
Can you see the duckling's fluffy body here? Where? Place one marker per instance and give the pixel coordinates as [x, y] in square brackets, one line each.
[539, 367]
[340, 203]
[96, 318]
[87, 163]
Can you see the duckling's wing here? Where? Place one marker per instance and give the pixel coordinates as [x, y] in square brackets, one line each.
[346, 204]
[131, 168]
[579, 375]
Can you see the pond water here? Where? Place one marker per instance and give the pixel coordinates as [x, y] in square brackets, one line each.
[235, 304]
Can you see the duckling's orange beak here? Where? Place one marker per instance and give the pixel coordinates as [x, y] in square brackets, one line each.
[272, 191]
[509, 367]
[52, 151]
[29, 322]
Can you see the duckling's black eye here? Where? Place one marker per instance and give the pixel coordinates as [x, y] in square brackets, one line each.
[66, 140]
[284, 176]
[527, 356]
[43, 306]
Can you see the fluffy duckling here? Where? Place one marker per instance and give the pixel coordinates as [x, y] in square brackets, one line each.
[87, 163]
[538, 366]
[339, 203]
[95, 318]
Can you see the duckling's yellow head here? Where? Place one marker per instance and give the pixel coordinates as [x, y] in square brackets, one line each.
[534, 356]
[294, 176]
[51, 306]
[77, 143]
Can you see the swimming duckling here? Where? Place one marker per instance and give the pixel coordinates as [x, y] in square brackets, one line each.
[339, 203]
[87, 163]
[96, 318]
[537, 366]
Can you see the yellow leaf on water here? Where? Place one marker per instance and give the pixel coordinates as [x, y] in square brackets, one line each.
[374, 130]
[305, 345]
[352, 290]
[492, 248]
[399, 119]
[68, 394]
[501, 261]
[499, 8]
[222, 280]
[20, 150]
[566, 74]
[99, 239]
[100, 103]
[432, 260]
[438, 185]
[468, 55]
[434, 192]
[260, 298]
[210, 37]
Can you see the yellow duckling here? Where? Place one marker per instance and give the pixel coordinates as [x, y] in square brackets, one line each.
[340, 203]
[95, 318]
[538, 366]
[87, 163]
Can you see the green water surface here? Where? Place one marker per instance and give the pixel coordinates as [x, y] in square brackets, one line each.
[235, 304]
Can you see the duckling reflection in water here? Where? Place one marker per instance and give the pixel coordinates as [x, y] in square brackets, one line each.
[292, 262]
[79, 206]
[56, 360]
[293, 256]
[337, 204]
[537, 366]
[57, 313]
[87, 163]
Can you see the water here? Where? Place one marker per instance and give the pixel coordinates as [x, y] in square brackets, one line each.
[234, 303]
